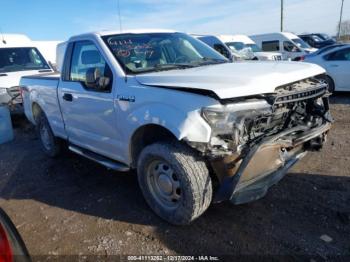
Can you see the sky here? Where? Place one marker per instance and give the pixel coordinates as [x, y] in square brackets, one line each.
[60, 19]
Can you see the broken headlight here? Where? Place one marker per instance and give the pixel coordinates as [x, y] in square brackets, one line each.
[223, 118]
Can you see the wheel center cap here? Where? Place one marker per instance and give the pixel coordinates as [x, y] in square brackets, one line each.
[165, 184]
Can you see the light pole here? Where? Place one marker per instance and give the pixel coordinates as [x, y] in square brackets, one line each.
[341, 15]
[281, 15]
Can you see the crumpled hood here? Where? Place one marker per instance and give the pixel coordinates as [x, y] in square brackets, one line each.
[231, 80]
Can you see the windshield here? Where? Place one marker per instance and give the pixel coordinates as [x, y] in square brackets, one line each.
[316, 38]
[323, 36]
[254, 47]
[327, 48]
[236, 46]
[300, 43]
[138, 53]
[21, 59]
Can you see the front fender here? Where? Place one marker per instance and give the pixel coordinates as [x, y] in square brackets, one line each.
[183, 125]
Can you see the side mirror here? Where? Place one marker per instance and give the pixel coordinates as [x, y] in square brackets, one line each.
[12, 247]
[95, 80]
[92, 76]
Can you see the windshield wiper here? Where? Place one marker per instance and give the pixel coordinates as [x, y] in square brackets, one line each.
[172, 66]
[210, 61]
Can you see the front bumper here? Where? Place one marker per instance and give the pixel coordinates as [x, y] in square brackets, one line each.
[266, 163]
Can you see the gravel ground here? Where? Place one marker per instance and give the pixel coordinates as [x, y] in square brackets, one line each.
[72, 206]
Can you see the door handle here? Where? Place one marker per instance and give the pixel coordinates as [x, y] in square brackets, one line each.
[334, 65]
[68, 97]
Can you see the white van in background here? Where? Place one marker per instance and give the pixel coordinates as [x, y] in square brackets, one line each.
[48, 50]
[242, 42]
[291, 46]
[18, 57]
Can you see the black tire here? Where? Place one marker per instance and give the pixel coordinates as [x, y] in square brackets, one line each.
[329, 81]
[50, 144]
[191, 173]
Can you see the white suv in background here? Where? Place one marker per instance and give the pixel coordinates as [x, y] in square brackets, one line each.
[243, 42]
[18, 57]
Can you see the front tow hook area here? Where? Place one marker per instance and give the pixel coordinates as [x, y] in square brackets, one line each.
[232, 187]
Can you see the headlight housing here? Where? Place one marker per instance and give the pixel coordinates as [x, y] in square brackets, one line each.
[224, 118]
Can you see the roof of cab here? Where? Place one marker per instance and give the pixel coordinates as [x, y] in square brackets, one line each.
[14, 40]
[127, 31]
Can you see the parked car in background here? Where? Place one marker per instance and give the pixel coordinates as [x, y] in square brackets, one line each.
[18, 57]
[197, 128]
[336, 62]
[323, 50]
[290, 45]
[241, 42]
[315, 41]
[324, 36]
[215, 43]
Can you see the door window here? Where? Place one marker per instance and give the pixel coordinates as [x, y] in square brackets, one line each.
[290, 47]
[90, 68]
[341, 55]
[222, 50]
[270, 45]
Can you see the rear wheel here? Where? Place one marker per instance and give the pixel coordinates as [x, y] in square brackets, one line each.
[51, 145]
[174, 181]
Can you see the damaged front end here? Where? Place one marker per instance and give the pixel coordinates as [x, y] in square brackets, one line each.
[256, 140]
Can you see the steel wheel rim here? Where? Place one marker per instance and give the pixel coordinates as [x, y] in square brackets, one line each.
[164, 184]
[45, 137]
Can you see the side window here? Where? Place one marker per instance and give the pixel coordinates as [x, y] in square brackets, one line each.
[90, 68]
[341, 55]
[222, 50]
[270, 45]
[290, 47]
[308, 40]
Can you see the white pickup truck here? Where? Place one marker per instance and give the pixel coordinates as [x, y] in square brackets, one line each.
[18, 57]
[197, 128]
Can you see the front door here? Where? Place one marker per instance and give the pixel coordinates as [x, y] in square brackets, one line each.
[88, 107]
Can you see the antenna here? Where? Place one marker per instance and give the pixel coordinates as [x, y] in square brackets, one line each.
[2, 36]
[120, 18]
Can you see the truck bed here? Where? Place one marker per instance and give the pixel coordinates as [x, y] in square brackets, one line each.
[47, 76]
[41, 91]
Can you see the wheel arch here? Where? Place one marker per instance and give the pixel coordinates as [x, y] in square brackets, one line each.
[146, 135]
[36, 111]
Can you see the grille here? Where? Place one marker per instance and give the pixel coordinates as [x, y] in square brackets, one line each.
[300, 91]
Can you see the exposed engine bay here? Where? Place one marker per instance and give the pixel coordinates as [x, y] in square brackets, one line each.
[303, 104]
[264, 136]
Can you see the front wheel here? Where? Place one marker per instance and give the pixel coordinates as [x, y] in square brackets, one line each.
[174, 181]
